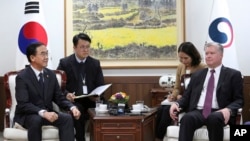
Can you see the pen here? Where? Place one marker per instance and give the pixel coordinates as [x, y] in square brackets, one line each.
[73, 95]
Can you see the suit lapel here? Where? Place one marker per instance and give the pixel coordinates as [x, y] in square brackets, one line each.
[221, 79]
[46, 83]
[201, 83]
[73, 66]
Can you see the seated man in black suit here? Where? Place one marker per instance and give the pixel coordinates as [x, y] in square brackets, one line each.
[36, 88]
[212, 98]
[84, 74]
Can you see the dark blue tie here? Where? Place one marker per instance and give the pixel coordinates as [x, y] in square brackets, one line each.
[209, 95]
[41, 81]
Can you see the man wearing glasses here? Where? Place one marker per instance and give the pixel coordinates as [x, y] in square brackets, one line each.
[36, 88]
[84, 74]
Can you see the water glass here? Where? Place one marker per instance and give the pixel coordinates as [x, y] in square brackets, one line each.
[97, 104]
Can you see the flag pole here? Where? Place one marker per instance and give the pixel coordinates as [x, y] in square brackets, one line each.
[210, 17]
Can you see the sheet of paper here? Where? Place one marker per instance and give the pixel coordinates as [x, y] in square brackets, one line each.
[96, 92]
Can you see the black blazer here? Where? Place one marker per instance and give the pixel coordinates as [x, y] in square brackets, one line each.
[30, 99]
[229, 90]
[93, 71]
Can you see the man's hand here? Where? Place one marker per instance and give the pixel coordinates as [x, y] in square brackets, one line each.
[70, 96]
[76, 113]
[226, 112]
[174, 109]
[50, 116]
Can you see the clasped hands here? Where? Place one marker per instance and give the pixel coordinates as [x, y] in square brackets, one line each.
[53, 116]
[50, 116]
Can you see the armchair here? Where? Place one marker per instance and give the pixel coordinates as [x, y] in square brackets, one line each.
[200, 134]
[14, 131]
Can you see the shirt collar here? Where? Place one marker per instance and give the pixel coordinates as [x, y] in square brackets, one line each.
[217, 69]
[37, 72]
[79, 60]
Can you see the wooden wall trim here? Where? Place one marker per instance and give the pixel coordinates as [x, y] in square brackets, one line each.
[246, 79]
[132, 79]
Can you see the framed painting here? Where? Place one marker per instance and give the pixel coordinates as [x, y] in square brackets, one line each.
[128, 33]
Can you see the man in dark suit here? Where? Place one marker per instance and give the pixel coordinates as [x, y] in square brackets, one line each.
[35, 94]
[226, 97]
[84, 74]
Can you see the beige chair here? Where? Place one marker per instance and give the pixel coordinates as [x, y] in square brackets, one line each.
[200, 134]
[17, 132]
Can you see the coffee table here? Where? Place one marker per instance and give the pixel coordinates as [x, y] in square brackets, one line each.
[128, 127]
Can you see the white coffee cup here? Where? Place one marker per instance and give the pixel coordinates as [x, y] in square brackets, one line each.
[140, 103]
[103, 107]
[136, 107]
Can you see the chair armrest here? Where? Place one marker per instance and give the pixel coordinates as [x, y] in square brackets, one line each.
[180, 115]
[239, 119]
[7, 118]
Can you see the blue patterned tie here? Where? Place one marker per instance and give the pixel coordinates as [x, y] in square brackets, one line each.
[209, 96]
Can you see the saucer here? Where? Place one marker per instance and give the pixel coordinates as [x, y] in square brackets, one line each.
[135, 111]
[102, 111]
[145, 110]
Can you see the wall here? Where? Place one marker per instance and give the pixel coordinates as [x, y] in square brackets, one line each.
[11, 21]
[196, 16]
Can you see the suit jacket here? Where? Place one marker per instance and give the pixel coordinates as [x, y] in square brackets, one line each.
[93, 71]
[30, 99]
[229, 90]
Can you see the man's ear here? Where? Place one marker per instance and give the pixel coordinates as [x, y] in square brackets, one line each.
[32, 58]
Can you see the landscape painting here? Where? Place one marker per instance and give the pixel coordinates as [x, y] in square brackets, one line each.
[129, 32]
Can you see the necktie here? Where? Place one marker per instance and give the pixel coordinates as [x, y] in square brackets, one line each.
[209, 95]
[41, 81]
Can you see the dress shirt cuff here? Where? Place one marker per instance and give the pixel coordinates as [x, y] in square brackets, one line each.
[177, 104]
[71, 108]
[41, 112]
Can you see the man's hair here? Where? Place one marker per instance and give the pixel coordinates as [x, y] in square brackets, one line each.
[190, 50]
[215, 44]
[81, 36]
[31, 49]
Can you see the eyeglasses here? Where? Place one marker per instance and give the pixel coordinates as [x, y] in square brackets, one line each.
[84, 47]
[44, 54]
